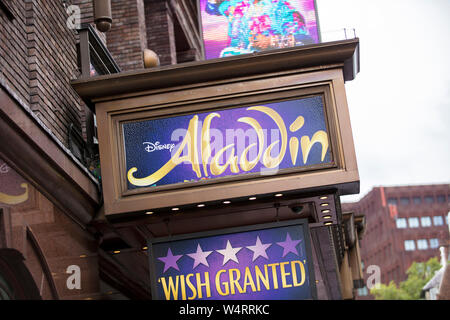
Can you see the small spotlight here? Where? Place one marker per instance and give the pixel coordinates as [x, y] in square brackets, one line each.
[328, 223]
[279, 195]
[326, 211]
[144, 248]
[252, 198]
[323, 198]
[175, 209]
[324, 204]
[116, 251]
[201, 205]
[226, 202]
[149, 212]
[83, 256]
[327, 217]
[297, 209]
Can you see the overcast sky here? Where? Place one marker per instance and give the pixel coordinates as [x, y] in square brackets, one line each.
[400, 101]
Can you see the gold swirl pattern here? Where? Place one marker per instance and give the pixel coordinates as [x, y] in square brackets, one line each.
[13, 200]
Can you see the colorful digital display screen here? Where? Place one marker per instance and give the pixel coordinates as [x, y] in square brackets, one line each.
[233, 27]
[263, 139]
[267, 262]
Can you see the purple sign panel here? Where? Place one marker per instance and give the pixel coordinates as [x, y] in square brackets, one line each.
[258, 140]
[265, 262]
[233, 27]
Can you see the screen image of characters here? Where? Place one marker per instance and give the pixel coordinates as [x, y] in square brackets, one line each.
[256, 25]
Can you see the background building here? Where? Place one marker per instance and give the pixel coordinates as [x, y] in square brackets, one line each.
[404, 224]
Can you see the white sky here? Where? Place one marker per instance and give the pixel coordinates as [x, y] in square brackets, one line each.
[400, 101]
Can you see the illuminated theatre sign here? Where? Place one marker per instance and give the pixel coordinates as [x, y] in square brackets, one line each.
[234, 27]
[224, 129]
[232, 142]
[271, 261]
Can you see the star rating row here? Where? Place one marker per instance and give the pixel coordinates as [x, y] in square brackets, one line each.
[229, 253]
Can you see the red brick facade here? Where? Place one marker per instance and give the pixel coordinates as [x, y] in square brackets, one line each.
[14, 65]
[387, 211]
[153, 24]
[160, 31]
[38, 55]
[38, 59]
[126, 40]
[52, 226]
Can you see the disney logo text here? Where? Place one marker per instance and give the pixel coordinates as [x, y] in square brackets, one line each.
[150, 146]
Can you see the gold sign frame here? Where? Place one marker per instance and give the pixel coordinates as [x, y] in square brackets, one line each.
[217, 95]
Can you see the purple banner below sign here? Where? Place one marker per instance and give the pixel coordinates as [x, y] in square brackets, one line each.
[267, 262]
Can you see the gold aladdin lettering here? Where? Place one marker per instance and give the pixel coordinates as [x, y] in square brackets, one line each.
[235, 162]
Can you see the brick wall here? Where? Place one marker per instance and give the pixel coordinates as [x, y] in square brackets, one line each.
[153, 24]
[160, 30]
[52, 64]
[38, 55]
[126, 40]
[38, 58]
[14, 70]
[87, 10]
[87, 15]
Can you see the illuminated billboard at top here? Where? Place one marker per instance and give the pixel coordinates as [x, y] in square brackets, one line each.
[233, 27]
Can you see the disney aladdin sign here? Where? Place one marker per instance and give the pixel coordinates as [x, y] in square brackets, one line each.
[262, 139]
[271, 261]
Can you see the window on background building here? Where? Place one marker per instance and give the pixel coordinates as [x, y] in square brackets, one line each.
[446, 219]
[425, 221]
[392, 201]
[410, 245]
[404, 201]
[363, 292]
[438, 221]
[413, 222]
[422, 244]
[401, 223]
[429, 199]
[434, 243]
[440, 198]
[417, 200]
